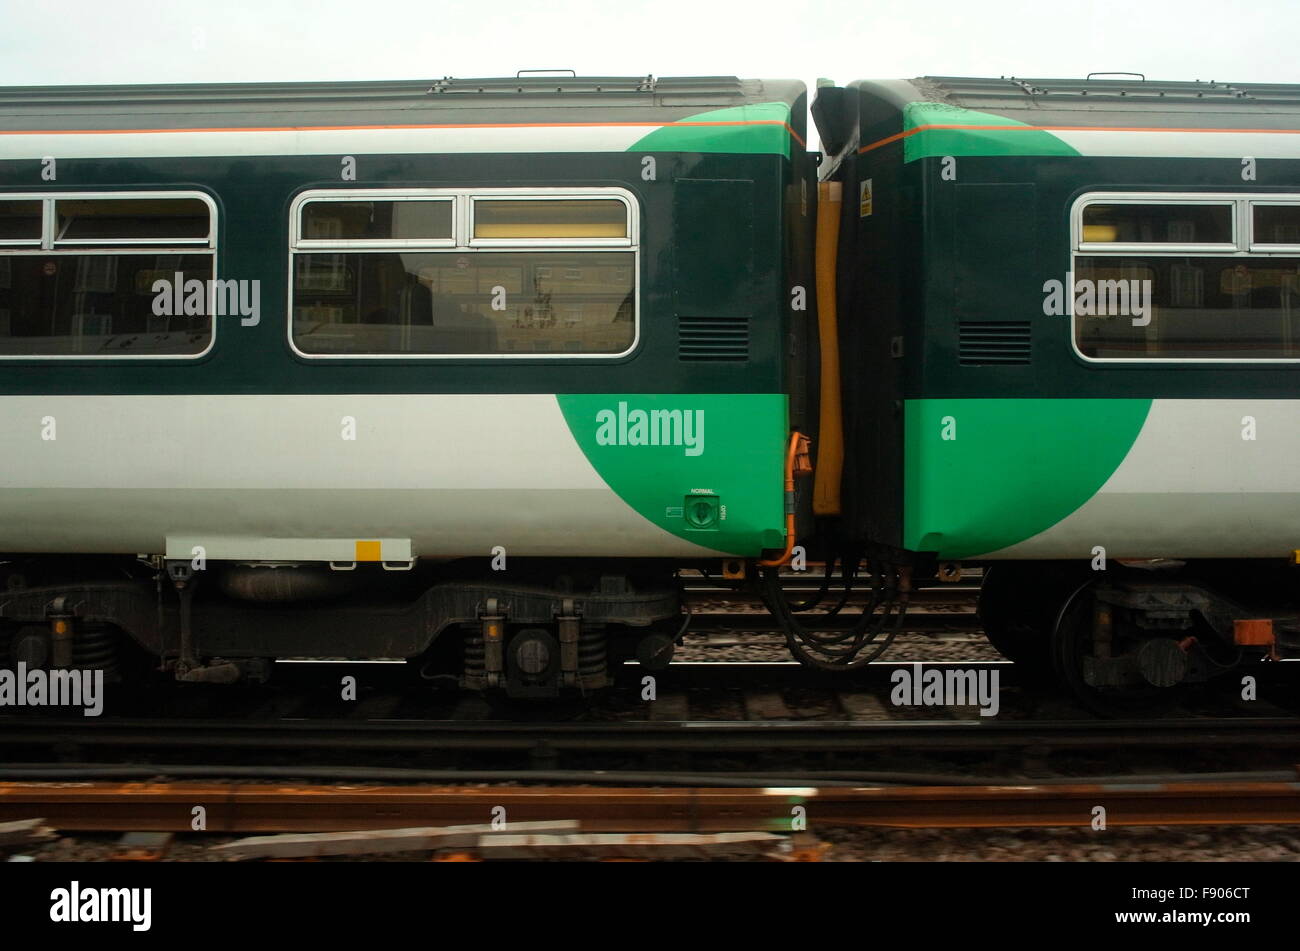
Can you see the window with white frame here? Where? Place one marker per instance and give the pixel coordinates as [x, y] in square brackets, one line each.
[1186, 277]
[464, 272]
[79, 272]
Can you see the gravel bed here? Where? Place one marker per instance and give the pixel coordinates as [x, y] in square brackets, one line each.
[742, 648]
[1135, 844]
[1138, 844]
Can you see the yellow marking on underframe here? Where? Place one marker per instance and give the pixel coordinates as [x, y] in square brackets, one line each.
[368, 551]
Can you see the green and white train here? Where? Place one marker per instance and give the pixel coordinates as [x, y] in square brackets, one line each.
[1077, 310]
[360, 364]
[467, 371]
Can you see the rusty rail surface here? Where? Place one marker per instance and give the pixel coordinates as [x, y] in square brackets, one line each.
[240, 807]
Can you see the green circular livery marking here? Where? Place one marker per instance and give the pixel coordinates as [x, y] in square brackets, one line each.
[981, 475]
[708, 468]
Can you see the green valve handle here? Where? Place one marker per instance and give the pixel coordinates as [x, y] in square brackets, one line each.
[702, 511]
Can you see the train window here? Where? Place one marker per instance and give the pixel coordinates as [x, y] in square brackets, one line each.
[513, 273]
[423, 220]
[131, 221]
[20, 222]
[475, 304]
[1218, 308]
[1275, 224]
[549, 218]
[1187, 278]
[79, 275]
[1162, 223]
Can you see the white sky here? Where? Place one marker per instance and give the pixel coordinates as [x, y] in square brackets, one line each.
[137, 41]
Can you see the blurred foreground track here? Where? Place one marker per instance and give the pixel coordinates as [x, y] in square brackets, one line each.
[232, 807]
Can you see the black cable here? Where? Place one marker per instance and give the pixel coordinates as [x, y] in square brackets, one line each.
[816, 599]
[850, 575]
[817, 649]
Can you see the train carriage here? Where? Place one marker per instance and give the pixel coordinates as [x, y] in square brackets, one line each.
[294, 340]
[1073, 307]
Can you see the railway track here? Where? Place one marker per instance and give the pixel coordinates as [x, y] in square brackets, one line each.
[919, 622]
[238, 807]
[686, 690]
[733, 723]
[828, 749]
[695, 707]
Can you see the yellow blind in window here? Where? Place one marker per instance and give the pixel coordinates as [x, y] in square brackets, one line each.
[550, 218]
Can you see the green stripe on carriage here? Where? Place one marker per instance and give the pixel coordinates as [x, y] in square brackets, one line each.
[983, 474]
[757, 129]
[994, 135]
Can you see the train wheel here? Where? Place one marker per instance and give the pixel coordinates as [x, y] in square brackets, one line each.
[1009, 631]
[1073, 643]
[30, 645]
[1018, 606]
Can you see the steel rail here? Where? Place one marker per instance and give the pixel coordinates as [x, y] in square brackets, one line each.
[922, 622]
[170, 772]
[233, 807]
[805, 736]
[945, 595]
[790, 674]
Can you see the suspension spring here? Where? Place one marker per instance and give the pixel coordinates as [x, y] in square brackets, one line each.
[593, 670]
[95, 648]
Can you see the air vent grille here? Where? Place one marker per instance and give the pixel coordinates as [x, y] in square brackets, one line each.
[982, 343]
[713, 338]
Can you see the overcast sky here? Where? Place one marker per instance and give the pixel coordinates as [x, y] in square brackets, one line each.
[136, 41]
